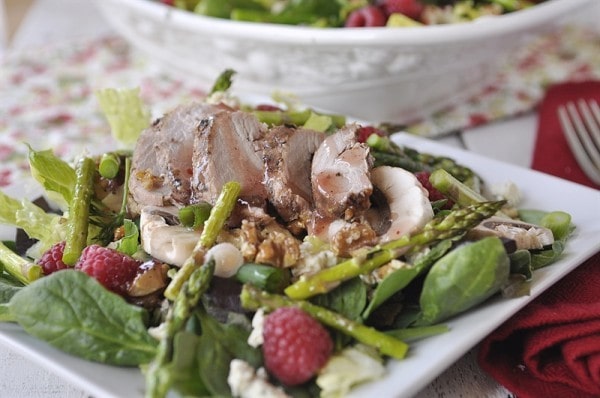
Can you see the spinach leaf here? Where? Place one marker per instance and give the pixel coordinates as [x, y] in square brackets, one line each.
[8, 288]
[521, 275]
[349, 299]
[5, 315]
[218, 345]
[400, 278]
[542, 258]
[74, 313]
[185, 365]
[520, 263]
[532, 216]
[462, 279]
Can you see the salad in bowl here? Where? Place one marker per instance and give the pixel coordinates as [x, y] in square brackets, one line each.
[398, 75]
[352, 13]
[268, 250]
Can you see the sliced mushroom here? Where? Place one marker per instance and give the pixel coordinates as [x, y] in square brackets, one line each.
[407, 201]
[152, 279]
[525, 235]
[169, 243]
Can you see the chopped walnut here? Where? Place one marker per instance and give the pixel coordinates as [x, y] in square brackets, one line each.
[351, 237]
[272, 244]
[250, 239]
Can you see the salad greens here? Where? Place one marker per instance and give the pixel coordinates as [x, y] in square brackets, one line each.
[78, 222]
[462, 279]
[451, 226]
[335, 13]
[74, 318]
[185, 334]
[126, 113]
[253, 299]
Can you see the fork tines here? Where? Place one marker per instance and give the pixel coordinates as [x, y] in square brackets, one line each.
[581, 124]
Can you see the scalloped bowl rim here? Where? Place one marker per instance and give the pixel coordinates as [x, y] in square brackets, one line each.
[434, 34]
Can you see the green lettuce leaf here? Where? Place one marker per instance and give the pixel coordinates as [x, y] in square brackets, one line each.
[55, 175]
[129, 244]
[36, 223]
[125, 112]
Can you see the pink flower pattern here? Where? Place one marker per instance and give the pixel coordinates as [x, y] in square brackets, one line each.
[568, 54]
[48, 101]
[47, 95]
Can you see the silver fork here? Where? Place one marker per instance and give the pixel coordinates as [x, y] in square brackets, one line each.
[581, 125]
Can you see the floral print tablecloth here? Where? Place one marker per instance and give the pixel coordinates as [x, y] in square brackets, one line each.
[47, 98]
[47, 101]
[568, 54]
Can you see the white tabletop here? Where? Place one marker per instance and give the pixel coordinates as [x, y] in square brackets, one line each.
[52, 21]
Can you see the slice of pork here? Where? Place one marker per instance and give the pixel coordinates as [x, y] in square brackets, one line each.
[161, 167]
[340, 176]
[287, 156]
[227, 149]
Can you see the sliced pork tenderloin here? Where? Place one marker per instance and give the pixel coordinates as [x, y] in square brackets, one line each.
[161, 167]
[340, 176]
[227, 149]
[287, 156]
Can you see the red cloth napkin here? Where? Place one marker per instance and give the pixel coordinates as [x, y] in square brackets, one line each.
[552, 347]
[552, 154]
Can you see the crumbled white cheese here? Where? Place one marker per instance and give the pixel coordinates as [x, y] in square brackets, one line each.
[312, 261]
[158, 332]
[256, 335]
[245, 382]
[508, 191]
[382, 272]
[351, 366]
[223, 97]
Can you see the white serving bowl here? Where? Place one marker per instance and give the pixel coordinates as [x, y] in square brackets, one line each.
[376, 74]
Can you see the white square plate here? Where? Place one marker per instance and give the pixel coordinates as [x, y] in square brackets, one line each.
[428, 358]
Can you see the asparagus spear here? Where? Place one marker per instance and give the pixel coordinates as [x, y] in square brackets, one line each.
[194, 215]
[253, 298]
[109, 165]
[158, 375]
[453, 225]
[21, 269]
[386, 152]
[216, 220]
[266, 277]
[223, 82]
[459, 192]
[79, 210]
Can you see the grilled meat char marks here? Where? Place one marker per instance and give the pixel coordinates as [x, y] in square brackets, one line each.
[161, 166]
[228, 148]
[307, 177]
[287, 154]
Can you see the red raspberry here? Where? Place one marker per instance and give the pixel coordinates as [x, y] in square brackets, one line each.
[114, 270]
[411, 8]
[296, 346]
[365, 132]
[367, 16]
[51, 261]
[434, 194]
